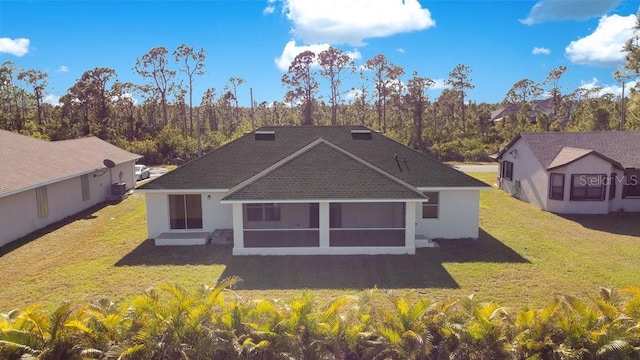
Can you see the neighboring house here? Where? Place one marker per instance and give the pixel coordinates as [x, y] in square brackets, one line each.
[574, 172]
[43, 182]
[538, 107]
[313, 190]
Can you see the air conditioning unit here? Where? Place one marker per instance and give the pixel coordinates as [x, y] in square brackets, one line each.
[118, 189]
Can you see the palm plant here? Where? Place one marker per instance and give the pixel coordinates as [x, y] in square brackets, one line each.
[36, 336]
[537, 332]
[487, 330]
[402, 333]
[600, 329]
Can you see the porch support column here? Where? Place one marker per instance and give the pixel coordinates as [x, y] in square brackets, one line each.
[410, 226]
[238, 228]
[323, 222]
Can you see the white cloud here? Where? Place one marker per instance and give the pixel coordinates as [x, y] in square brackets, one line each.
[614, 89]
[400, 50]
[439, 84]
[51, 99]
[63, 68]
[541, 51]
[350, 22]
[291, 50]
[269, 10]
[17, 47]
[604, 46]
[556, 10]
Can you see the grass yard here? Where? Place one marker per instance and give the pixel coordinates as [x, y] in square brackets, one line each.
[524, 257]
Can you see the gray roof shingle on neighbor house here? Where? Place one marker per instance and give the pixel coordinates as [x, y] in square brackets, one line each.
[622, 147]
[30, 162]
[240, 160]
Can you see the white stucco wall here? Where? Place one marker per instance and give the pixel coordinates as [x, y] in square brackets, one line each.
[458, 216]
[627, 204]
[532, 175]
[214, 215]
[19, 213]
[588, 165]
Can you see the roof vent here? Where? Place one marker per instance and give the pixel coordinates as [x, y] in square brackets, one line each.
[265, 135]
[361, 134]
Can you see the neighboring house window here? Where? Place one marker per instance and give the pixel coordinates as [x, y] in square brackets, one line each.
[556, 186]
[430, 208]
[185, 211]
[263, 212]
[507, 170]
[588, 186]
[42, 202]
[612, 185]
[84, 184]
[631, 187]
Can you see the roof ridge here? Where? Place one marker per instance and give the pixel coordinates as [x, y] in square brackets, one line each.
[273, 167]
[315, 143]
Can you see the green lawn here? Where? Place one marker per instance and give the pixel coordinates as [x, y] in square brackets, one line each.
[523, 258]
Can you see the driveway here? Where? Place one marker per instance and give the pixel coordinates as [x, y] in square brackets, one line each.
[157, 171]
[491, 168]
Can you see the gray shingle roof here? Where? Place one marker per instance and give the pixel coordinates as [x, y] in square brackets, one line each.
[29, 162]
[314, 172]
[622, 147]
[239, 160]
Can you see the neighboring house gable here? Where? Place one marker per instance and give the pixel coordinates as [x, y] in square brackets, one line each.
[45, 181]
[313, 190]
[574, 172]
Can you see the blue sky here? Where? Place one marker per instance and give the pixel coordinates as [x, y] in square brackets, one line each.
[501, 41]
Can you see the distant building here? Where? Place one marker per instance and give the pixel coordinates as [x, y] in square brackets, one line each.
[42, 182]
[594, 172]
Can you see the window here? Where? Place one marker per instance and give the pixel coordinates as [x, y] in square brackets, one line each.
[556, 186]
[335, 215]
[588, 187]
[42, 202]
[631, 187]
[507, 170]
[185, 211]
[263, 212]
[84, 185]
[612, 185]
[430, 208]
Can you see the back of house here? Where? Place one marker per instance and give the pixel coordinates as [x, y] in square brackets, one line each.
[313, 190]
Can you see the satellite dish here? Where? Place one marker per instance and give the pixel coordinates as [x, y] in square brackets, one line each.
[108, 163]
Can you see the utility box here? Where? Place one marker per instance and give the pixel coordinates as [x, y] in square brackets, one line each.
[118, 189]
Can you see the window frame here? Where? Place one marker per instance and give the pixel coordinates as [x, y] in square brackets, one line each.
[174, 221]
[601, 179]
[506, 171]
[84, 187]
[431, 204]
[552, 195]
[263, 212]
[42, 202]
[628, 187]
[613, 178]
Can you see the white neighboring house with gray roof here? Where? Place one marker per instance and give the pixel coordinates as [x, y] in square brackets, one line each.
[595, 172]
[43, 182]
[313, 190]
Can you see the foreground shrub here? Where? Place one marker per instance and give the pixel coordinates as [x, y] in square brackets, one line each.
[169, 322]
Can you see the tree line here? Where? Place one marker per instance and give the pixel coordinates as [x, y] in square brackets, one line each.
[160, 119]
[169, 322]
